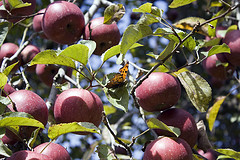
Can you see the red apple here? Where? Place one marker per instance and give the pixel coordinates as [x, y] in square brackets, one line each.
[105, 35]
[219, 72]
[46, 73]
[7, 50]
[158, 92]
[8, 89]
[166, 148]
[29, 102]
[53, 150]
[37, 23]
[63, 22]
[232, 39]
[210, 154]
[78, 105]
[18, 12]
[28, 155]
[27, 55]
[6, 140]
[181, 119]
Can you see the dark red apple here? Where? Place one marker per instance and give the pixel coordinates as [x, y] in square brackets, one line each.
[63, 22]
[46, 73]
[29, 102]
[181, 119]
[210, 154]
[78, 105]
[232, 39]
[15, 14]
[158, 92]
[53, 150]
[37, 23]
[8, 89]
[6, 140]
[7, 50]
[218, 71]
[27, 55]
[166, 148]
[105, 35]
[28, 155]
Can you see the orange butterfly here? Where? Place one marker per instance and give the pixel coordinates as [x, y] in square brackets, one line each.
[119, 78]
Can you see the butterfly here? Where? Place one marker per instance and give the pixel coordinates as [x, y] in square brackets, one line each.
[119, 78]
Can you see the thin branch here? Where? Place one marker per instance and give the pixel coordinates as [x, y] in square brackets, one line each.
[92, 10]
[106, 122]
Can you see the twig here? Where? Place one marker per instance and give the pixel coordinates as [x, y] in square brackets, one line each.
[92, 10]
[105, 121]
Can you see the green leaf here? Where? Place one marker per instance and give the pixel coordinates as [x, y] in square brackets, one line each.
[147, 19]
[148, 8]
[179, 3]
[132, 34]
[213, 111]
[197, 88]
[4, 28]
[219, 49]
[104, 152]
[118, 97]
[4, 150]
[229, 152]
[115, 50]
[170, 35]
[171, 45]
[20, 121]
[109, 109]
[18, 4]
[55, 131]
[9, 68]
[88, 154]
[154, 123]
[51, 57]
[33, 138]
[113, 13]
[91, 46]
[77, 52]
[4, 101]
[3, 80]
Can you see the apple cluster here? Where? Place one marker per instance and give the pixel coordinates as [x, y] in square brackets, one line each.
[221, 66]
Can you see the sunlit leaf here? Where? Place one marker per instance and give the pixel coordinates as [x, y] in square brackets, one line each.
[90, 44]
[219, 49]
[148, 8]
[132, 34]
[4, 150]
[170, 35]
[9, 68]
[51, 57]
[113, 13]
[147, 19]
[4, 28]
[213, 24]
[118, 97]
[179, 3]
[197, 88]
[18, 4]
[115, 50]
[33, 138]
[77, 52]
[229, 152]
[154, 123]
[213, 111]
[124, 141]
[20, 121]
[190, 22]
[109, 109]
[3, 80]
[55, 131]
